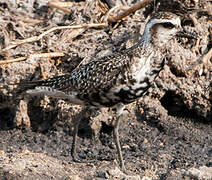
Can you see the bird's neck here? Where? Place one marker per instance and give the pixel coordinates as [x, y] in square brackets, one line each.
[151, 55]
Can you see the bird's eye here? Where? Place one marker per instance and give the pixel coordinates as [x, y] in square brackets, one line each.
[168, 25]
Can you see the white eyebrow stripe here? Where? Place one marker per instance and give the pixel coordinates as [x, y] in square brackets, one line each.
[157, 21]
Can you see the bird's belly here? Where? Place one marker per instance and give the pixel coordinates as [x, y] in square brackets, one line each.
[121, 94]
[128, 94]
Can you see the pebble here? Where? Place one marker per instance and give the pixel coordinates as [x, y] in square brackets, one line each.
[202, 173]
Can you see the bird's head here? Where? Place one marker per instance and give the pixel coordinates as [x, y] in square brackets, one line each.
[163, 26]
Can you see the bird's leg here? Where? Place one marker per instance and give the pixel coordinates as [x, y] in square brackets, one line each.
[119, 109]
[117, 142]
[77, 120]
[74, 143]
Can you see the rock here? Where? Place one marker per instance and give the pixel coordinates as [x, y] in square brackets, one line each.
[74, 177]
[103, 174]
[115, 173]
[203, 173]
[129, 177]
[146, 178]
[2, 152]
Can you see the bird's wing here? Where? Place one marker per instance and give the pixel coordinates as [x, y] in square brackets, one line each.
[97, 75]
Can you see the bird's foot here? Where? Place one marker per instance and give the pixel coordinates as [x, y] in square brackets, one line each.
[125, 171]
[79, 160]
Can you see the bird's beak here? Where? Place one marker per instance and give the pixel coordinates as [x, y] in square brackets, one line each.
[186, 34]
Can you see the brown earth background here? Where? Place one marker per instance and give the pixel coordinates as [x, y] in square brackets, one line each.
[165, 135]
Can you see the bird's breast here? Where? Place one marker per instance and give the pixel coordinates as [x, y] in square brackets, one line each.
[143, 71]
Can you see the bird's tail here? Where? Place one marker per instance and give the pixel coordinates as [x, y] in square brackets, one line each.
[27, 85]
[50, 87]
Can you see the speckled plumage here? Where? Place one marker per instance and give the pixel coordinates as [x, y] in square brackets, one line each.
[117, 79]
[106, 81]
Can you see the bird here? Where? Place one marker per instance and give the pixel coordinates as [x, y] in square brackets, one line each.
[118, 79]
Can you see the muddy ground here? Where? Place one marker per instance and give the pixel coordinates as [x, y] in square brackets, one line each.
[165, 135]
